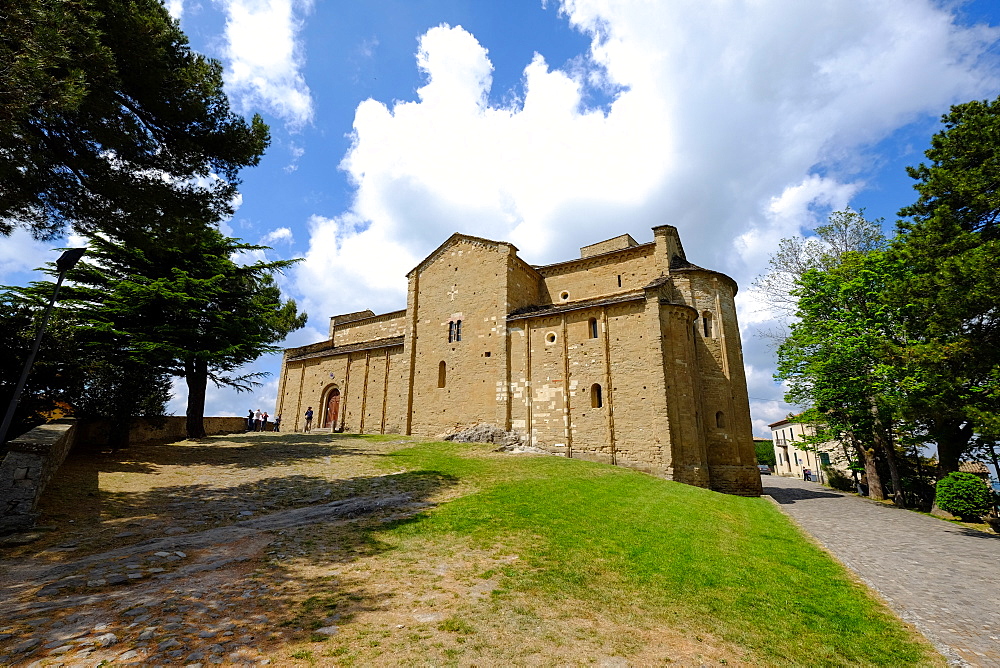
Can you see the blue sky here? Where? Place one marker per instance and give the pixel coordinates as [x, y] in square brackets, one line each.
[558, 124]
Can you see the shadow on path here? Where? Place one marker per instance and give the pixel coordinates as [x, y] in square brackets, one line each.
[786, 495]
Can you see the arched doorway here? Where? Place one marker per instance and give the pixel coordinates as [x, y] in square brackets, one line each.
[332, 409]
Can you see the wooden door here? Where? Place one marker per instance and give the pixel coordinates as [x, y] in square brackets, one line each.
[332, 409]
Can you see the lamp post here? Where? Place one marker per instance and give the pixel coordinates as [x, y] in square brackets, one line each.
[66, 261]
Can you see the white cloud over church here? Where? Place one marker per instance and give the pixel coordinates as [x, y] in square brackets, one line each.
[724, 116]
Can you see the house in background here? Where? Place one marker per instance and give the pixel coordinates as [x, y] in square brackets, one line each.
[976, 468]
[792, 456]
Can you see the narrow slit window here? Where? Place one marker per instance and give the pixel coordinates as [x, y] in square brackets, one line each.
[720, 419]
[593, 328]
[706, 324]
[596, 400]
[458, 330]
[442, 373]
[451, 331]
[619, 280]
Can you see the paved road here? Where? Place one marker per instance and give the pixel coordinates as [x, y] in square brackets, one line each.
[942, 578]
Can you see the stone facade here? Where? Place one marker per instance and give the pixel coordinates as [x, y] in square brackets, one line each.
[630, 355]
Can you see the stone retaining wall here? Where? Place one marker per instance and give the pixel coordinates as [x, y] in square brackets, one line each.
[26, 469]
[31, 459]
[162, 430]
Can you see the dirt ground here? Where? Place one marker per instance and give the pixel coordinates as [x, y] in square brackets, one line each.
[254, 549]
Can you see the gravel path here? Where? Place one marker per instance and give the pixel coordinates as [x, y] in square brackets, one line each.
[941, 577]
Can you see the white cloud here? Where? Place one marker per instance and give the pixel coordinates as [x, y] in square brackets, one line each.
[19, 253]
[368, 47]
[282, 234]
[175, 7]
[740, 123]
[297, 152]
[265, 58]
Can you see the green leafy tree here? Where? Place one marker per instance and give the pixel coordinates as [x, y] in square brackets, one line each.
[80, 371]
[181, 303]
[55, 378]
[835, 359]
[765, 453]
[120, 387]
[950, 241]
[964, 495]
[108, 117]
[844, 232]
[811, 280]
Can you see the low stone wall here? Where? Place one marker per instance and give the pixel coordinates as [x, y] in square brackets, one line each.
[26, 469]
[31, 459]
[162, 430]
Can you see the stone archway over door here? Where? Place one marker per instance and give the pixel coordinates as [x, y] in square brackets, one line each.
[332, 409]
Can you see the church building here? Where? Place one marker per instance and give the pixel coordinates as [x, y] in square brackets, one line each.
[629, 355]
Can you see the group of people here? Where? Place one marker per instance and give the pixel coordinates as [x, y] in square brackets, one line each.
[258, 421]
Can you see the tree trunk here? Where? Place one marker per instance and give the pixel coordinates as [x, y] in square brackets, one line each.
[883, 443]
[875, 490]
[196, 376]
[897, 484]
[996, 468]
[118, 433]
[867, 459]
[952, 437]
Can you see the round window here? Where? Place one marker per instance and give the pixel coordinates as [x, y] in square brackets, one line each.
[564, 295]
[550, 337]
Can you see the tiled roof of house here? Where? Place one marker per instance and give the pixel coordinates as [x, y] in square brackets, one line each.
[978, 468]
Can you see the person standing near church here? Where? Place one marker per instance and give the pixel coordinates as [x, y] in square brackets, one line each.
[250, 420]
[309, 418]
[257, 417]
[277, 422]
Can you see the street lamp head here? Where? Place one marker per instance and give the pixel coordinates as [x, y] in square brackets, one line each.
[69, 258]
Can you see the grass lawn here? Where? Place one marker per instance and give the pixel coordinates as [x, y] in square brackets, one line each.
[481, 559]
[583, 562]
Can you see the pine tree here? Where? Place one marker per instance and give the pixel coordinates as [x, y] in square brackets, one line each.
[107, 117]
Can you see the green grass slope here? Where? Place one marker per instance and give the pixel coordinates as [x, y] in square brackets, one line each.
[633, 546]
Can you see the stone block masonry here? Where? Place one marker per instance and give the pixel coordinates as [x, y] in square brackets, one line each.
[26, 469]
[629, 355]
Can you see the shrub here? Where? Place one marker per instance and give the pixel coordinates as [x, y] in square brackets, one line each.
[963, 494]
[836, 479]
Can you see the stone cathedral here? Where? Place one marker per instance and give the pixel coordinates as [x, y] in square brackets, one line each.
[629, 355]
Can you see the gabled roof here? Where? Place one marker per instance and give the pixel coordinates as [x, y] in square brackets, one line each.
[536, 310]
[978, 468]
[451, 241]
[545, 269]
[327, 349]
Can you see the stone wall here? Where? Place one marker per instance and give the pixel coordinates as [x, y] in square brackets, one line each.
[370, 383]
[608, 245]
[373, 327]
[26, 469]
[459, 383]
[627, 269]
[162, 430]
[630, 355]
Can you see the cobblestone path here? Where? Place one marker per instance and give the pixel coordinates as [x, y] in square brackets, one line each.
[941, 577]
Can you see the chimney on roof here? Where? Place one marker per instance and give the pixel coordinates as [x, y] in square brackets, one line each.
[668, 246]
